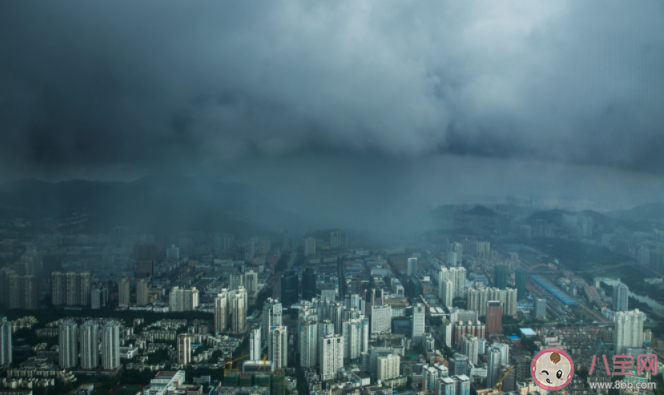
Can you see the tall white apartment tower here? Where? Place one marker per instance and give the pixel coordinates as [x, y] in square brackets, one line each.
[628, 332]
[412, 266]
[110, 346]
[239, 309]
[272, 313]
[620, 297]
[388, 366]
[89, 345]
[309, 343]
[331, 356]
[221, 311]
[419, 314]
[255, 346]
[184, 349]
[278, 347]
[309, 246]
[251, 282]
[68, 344]
[5, 341]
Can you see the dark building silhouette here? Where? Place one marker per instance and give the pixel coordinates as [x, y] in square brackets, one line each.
[308, 284]
[341, 275]
[500, 276]
[494, 316]
[289, 283]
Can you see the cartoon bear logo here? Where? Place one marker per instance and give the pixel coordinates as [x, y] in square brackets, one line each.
[552, 369]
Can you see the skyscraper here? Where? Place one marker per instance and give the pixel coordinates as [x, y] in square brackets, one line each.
[68, 344]
[73, 294]
[89, 345]
[451, 259]
[110, 346]
[85, 285]
[381, 319]
[142, 295]
[278, 347]
[620, 297]
[331, 356]
[458, 249]
[289, 285]
[412, 266]
[388, 367]
[494, 316]
[447, 292]
[238, 302]
[124, 292]
[221, 311]
[5, 341]
[308, 343]
[58, 288]
[520, 277]
[419, 314]
[255, 345]
[251, 283]
[29, 296]
[236, 281]
[308, 284]
[493, 356]
[629, 330]
[500, 276]
[309, 246]
[341, 275]
[539, 310]
[184, 349]
[272, 316]
[470, 347]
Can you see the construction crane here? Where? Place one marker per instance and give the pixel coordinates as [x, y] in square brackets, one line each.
[499, 384]
[263, 364]
[234, 360]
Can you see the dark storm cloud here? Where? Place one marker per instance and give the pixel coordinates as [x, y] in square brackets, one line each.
[151, 83]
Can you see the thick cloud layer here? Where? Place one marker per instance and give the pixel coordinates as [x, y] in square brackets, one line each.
[148, 84]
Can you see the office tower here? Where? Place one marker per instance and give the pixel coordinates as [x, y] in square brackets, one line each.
[124, 292]
[412, 266]
[278, 347]
[520, 277]
[173, 253]
[353, 333]
[184, 349]
[451, 259]
[470, 347]
[29, 297]
[73, 292]
[381, 319]
[500, 276]
[15, 291]
[341, 276]
[494, 316]
[190, 299]
[309, 284]
[628, 332]
[68, 344]
[309, 343]
[459, 364]
[620, 297]
[221, 311]
[238, 303]
[309, 246]
[419, 314]
[58, 288]
[331, 356]
[236, 281]
[272, 316]
[110, 345]
[457, 248]
[459, 276]
[255, 345]
[289, 286]
[85, 285]
[539, 310]
[251, 283]
[142, 294]
[5, 341]
[493, 357]
[429, 378]
[89, 345]
[388, 367]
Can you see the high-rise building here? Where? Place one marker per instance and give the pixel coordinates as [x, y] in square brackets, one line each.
[251, 283]
[520, 276]
[58, 288]
[221, 311]
[470, 347]
[124, 292]
[628, 332]
[457, 248]
[238, 303]
[89, 345]
[236, 281]
[255, 345]
[278, 347]
[478, 296]
[29, 297]
[494, 316]
[85, 286]
[447, 292]
[5, 341]
[68, 344]
[289, 285]
[483, 249]
[309, 246]
[142, 293]
[308, 284]
[459, 364]
[331, 356]
[184, 349]
[381, 319]
[308, 343]
[412, 266]
[341, 275]
[272, 316]
[98, 297]
[73, 293]
[110, 346]
[337, 239]
[388, 367]
[459, 275]
[353, 333]
[419, 315]
[462, 383]
[620, 297]
[500, 276]
[539, 310]
[190, 299]
[451, 259]
[494, 358]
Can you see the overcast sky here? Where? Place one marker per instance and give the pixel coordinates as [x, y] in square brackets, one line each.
[125, 88]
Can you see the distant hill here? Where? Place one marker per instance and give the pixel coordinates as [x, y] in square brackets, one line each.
[643, 212]
[155, 203]
[555, 216]
[481, 211]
